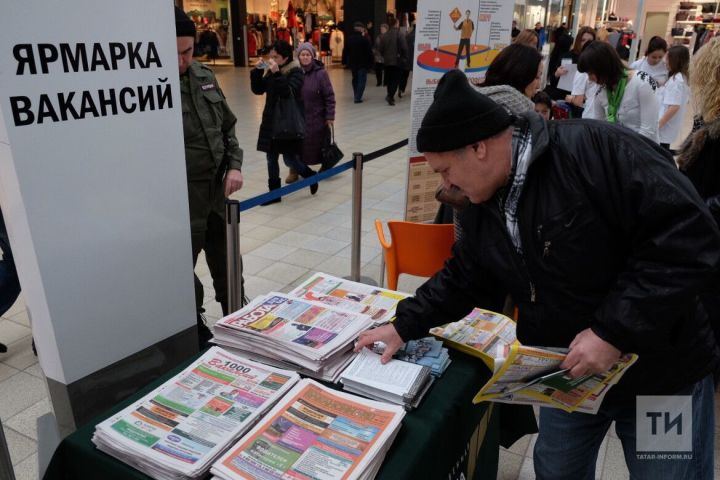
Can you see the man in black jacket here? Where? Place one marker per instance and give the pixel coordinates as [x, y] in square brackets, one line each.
[359, 59]
[604, 247]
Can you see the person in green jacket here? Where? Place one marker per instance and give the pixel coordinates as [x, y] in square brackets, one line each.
[213, 159]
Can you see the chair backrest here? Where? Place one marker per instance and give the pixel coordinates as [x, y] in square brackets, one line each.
[415, 248]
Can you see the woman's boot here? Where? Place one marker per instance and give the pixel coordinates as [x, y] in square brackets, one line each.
[273, 184]
[292, 176]
[307, 173]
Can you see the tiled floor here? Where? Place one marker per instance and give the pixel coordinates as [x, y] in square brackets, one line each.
[281, 245]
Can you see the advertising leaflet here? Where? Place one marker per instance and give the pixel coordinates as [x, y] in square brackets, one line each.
[378, 303]
[478, 334]
[180, 428]
[398, 382]
[307, 333]
[465, 35]
[532, 375]
[314, 432]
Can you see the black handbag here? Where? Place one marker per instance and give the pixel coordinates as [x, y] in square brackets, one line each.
[330, 152]
[288, 120]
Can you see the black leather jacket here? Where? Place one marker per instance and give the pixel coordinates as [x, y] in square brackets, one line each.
[614, 238]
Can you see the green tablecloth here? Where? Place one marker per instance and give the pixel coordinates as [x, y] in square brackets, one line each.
[446, 438]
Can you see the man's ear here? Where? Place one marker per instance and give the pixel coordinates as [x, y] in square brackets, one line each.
[481, 150]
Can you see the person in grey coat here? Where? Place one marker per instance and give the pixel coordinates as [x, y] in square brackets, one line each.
[394, 51]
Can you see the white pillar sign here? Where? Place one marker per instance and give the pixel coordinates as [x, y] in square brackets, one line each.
[463, 34]
[92, 178]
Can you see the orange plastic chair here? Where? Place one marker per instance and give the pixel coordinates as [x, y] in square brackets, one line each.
[416, 249]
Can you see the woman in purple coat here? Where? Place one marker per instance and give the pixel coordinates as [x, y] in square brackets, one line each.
[319, 100]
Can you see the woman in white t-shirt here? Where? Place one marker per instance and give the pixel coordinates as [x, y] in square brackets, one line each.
[624, 97]
[652, 62]
[675, 95]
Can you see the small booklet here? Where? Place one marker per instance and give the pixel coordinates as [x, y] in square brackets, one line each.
[396, 382]
[532, 376]
[427, 352]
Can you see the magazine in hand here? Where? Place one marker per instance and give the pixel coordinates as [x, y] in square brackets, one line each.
[299, 333]
[532, 376]
[478, 334]
[314, 432]
[378, 303]
[180, 428]
[398, 382]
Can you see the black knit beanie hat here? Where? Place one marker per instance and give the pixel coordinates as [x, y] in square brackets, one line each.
[459, 116]
[184, 27]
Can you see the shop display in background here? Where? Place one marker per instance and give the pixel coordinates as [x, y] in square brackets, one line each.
[212, 21]
[696, 23]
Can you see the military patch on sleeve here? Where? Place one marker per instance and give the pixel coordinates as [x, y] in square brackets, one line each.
[209, 86]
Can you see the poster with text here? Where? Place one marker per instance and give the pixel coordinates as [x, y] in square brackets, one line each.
[462, 34]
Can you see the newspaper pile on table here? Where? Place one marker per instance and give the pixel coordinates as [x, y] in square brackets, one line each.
[532, 376]
[398, 382]
[378, 303]
[179, 429]
[479, 334]
[314, 338]
[314, 433]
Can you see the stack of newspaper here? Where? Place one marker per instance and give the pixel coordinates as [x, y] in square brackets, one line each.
[398, 382]
[282, 330]
[315, 432]
[179, 429]
[378, 303]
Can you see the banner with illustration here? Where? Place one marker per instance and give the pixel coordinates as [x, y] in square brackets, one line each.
[462, 34]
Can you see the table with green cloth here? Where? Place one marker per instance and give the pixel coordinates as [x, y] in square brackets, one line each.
[447, 437]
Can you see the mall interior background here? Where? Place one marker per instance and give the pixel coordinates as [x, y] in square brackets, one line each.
[235, 32]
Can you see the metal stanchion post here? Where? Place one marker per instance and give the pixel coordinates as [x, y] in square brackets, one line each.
[234, 258]
[357, 222]
[6, 468]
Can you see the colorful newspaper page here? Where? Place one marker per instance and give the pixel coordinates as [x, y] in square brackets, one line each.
[314, 433]
[376, 302]
[185, 424]
[531, 375]
[478, 334]
[289, 328]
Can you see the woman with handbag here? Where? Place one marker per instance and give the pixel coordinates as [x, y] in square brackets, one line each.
[319, 101]
[283, 125]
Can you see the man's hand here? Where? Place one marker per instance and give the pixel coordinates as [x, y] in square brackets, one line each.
[590, 354]
[386, 334]
[233, 181]
[274, 67]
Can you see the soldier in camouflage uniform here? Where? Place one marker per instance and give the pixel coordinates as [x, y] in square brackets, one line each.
[213, 159]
